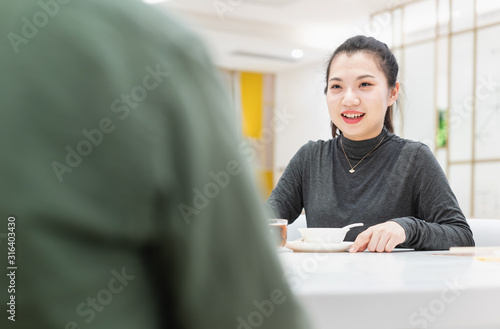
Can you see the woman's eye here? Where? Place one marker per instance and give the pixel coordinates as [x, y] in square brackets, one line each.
[335, 87]
[365, 84]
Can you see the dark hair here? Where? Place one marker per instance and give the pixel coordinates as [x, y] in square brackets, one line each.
[385, 61]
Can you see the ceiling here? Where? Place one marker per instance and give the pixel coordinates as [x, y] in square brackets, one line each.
[259, 35]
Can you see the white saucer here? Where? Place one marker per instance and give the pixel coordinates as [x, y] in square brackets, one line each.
[301, 246]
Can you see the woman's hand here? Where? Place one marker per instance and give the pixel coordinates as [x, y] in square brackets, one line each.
[380, 238]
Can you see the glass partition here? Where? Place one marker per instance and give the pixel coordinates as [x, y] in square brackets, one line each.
[397, 24]
[443, 17]
[460, 182]
[488, 12]
[449, 56]
[419, 86]
[487, 130]
[462, 97]
[419, 21]
[486, 192]
[462, 15]
[381, 28]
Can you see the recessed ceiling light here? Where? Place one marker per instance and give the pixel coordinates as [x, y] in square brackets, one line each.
[297, 53]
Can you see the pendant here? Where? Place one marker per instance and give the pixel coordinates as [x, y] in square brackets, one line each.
[352, 171]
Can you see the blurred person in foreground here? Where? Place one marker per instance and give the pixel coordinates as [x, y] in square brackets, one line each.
[131, 206]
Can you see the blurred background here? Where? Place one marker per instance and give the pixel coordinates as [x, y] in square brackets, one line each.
[271, 55]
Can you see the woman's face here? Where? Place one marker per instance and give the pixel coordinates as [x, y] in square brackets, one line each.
[358, 95]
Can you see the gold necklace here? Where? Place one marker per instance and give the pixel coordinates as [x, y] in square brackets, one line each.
[352, 168]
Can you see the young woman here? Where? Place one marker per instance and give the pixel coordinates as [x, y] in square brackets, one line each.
[366, 173]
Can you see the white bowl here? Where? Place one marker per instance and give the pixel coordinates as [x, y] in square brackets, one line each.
[325, 234]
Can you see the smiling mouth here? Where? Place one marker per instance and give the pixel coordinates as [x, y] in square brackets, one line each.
[353, 116]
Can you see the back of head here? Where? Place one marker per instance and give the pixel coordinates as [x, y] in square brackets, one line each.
[118, 153]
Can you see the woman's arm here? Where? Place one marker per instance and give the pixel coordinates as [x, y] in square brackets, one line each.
[286, 200]
[439, 222]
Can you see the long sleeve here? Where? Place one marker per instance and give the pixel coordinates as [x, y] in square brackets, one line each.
[286, 199]
[401, 181]
[439, 223]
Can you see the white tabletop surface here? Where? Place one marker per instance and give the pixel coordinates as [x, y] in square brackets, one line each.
[402, 289]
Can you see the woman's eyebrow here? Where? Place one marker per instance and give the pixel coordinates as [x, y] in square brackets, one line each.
[364, 76]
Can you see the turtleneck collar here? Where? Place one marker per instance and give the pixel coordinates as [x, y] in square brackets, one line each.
[358, 149]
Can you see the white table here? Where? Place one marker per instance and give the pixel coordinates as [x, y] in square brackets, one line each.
[402, 289]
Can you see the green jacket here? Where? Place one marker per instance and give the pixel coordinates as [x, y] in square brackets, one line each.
[120, 169]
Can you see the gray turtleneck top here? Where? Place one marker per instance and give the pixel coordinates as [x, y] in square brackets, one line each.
[400, 181]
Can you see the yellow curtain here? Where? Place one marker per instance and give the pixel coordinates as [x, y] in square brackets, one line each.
[252, 103]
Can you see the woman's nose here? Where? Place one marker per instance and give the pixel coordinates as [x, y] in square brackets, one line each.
[350, 98]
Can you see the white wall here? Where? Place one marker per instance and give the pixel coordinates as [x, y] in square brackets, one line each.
[419, 113]
[301, 112]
